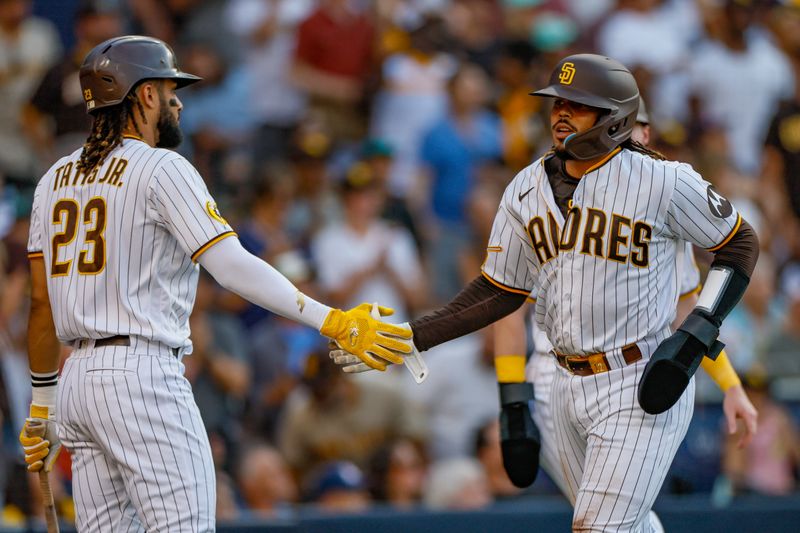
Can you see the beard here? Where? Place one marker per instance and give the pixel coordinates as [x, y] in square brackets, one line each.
[169, 131]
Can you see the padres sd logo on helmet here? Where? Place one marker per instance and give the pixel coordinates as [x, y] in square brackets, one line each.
[567, 73]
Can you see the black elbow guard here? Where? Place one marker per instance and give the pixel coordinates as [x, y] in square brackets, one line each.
[675, 361]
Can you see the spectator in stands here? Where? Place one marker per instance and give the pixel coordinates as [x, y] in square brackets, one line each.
[339, 487]
[475, 25]
[267, 32]
[216, 118]
[453, 150]
[29, 46]
[412, 100]
[517, 110]
[669, 29]
[315, 203]
[333, 60]
[457, 484]
[739, 78]
[337, 418]
[381, 263]
[179, 22]
[265, 484]
[380, 156]
[768, 465]
[487, 451]
[55, 119]
[397, 473]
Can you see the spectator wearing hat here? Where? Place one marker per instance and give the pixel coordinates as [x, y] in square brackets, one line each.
[364, 258]
[339, 487]
[55, 119]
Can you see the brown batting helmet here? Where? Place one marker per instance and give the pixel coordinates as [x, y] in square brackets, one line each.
[600, 82]
[113, 67]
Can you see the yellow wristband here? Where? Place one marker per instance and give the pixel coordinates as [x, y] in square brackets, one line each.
[510, 368]
[39, 411]
[721, 371]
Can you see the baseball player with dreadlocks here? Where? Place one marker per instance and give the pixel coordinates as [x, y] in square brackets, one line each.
[592, 233]
[117, 230]
[541, 367]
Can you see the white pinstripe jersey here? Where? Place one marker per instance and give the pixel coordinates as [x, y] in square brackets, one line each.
[612, 279]
[119, 244]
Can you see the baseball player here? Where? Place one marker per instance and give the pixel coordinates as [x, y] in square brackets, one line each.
[541, 368]
[592, 233]
[117, 231]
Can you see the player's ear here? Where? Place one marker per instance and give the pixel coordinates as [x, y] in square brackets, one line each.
[148, 94]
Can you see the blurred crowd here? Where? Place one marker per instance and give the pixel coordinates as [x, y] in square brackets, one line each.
[361, 148]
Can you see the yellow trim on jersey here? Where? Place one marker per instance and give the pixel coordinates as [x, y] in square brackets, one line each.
[494, 248]
[200, 251]
[530, 299]
[691, 292]
[730, 235]
[500, 285]
[603, 161]
[510, 368]
[132, 136]
[35, 255]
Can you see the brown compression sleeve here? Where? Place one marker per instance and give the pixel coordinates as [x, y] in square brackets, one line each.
[478, 305]
[740, 252]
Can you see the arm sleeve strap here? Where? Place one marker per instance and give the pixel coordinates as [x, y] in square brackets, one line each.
[241, 272]
[478, 305]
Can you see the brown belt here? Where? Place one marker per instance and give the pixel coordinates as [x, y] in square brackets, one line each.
[597, 363]
[116, 340]
[119, 340]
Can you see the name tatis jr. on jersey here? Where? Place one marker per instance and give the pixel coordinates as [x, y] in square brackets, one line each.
[69, 175]
[592, 232]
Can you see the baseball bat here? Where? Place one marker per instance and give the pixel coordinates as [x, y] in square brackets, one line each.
[37, 429]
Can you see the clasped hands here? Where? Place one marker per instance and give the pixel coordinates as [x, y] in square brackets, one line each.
[362, 341]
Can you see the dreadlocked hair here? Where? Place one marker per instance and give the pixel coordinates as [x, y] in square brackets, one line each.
[107, 130]
[636, 146]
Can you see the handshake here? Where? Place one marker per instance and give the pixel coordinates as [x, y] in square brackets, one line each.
[360, 341]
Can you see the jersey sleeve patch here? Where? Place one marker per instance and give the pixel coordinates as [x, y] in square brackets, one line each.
[200, 251]
[213, 212]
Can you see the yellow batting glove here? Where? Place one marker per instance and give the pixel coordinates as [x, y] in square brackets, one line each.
[39, 439]
[372, 341]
